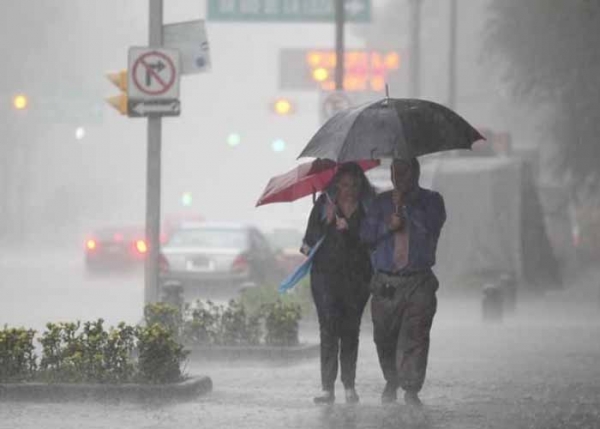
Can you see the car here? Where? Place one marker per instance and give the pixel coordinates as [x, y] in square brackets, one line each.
[115, 248]
[211, 260]
[172, 221]
[287, 243]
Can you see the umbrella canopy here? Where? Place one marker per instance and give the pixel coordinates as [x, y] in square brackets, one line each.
[391, 128]
[305, 179]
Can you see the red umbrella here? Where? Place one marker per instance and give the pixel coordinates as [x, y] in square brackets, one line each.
[304, 180]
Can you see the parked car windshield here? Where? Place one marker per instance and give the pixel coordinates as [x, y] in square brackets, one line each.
[210, 238]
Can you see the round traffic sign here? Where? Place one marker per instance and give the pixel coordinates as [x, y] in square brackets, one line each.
[154, 73]
[335, 102]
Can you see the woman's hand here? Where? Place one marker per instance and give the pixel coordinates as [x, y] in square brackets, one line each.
[329, 211]
[341, 224]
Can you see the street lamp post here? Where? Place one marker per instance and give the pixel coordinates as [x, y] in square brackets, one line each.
[415, 49]
[452, 55]
[339, 44]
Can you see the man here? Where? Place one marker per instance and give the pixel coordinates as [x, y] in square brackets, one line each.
[403, 227]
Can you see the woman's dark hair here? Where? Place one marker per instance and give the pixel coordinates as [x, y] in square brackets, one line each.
[353, 169]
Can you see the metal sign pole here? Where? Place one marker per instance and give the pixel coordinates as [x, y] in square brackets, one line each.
[452, 55]
[339, 44]
[415, 49]
[153, 171]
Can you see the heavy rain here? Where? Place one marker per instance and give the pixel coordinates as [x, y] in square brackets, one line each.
[211, 214]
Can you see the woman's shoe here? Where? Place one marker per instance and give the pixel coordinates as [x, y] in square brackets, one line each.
[327, 397]
[412, 399]
[351, 396]
[389, 394]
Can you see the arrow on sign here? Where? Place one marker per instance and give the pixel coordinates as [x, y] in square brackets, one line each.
[145, 108]
[354, 7]
[157, 67]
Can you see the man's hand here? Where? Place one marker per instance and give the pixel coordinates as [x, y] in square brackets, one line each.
[396, 222]
[397, 218]
[398, 197]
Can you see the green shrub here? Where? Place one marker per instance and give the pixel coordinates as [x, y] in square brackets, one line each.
[159, 355]
[62, 353]
[281, 323]
[94, 355]
[118, 353]
[202, 324]
[210, 324]
[164, 314]
[92, 344]
[254, 298]
[17, 357]
[239, 328]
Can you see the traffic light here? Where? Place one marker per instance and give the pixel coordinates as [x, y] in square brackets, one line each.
[186, 199]
[283, 107]
[119, 102]
[234, 139]
[320, 74]
[20, 102]
[80, 133]
[278, 145]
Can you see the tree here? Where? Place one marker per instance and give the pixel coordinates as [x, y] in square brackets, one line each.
[549, 53]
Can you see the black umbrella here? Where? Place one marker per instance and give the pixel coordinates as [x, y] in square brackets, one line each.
[391, 128]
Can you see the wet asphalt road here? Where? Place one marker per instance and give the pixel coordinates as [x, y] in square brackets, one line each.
[539, 369]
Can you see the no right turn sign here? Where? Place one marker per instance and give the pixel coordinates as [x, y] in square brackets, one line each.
[333, 103]
[153, 74]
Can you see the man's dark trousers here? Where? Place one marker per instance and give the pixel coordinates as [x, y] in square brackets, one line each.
[402, 309]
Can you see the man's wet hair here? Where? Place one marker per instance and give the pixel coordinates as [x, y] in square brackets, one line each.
[415, 165]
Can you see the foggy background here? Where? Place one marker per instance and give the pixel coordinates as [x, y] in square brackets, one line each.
[57, 53]
[71, 164]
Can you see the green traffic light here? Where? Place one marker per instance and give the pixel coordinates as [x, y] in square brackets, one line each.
[234, 139]
[278, 145]
[186, 199]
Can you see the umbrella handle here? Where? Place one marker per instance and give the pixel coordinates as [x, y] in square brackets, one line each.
[396, 208]
[337, 216]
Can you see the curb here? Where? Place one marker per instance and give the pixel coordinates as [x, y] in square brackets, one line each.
[60, 392]
[239, 353]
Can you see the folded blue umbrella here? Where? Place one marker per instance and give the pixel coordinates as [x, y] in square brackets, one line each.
[301, 271]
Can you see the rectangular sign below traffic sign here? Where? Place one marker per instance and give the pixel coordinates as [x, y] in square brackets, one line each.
[144, 108]
[286, 10]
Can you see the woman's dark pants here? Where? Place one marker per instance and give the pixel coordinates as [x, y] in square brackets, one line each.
[340, 304]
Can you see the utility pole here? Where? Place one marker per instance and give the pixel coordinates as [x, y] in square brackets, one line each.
[415, 49]
[452, 55]
[153, 170]
[339, 44]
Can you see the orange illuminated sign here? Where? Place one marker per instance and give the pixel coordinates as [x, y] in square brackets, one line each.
[364, 70]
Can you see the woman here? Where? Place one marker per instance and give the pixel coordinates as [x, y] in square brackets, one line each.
[340, 275]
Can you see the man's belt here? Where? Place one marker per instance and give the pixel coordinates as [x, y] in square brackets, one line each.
[404, 273]
[388, 290]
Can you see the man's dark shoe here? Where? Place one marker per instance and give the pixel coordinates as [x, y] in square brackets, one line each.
[351, 396]
[389, 394]
[412, 399]
[326, 398]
